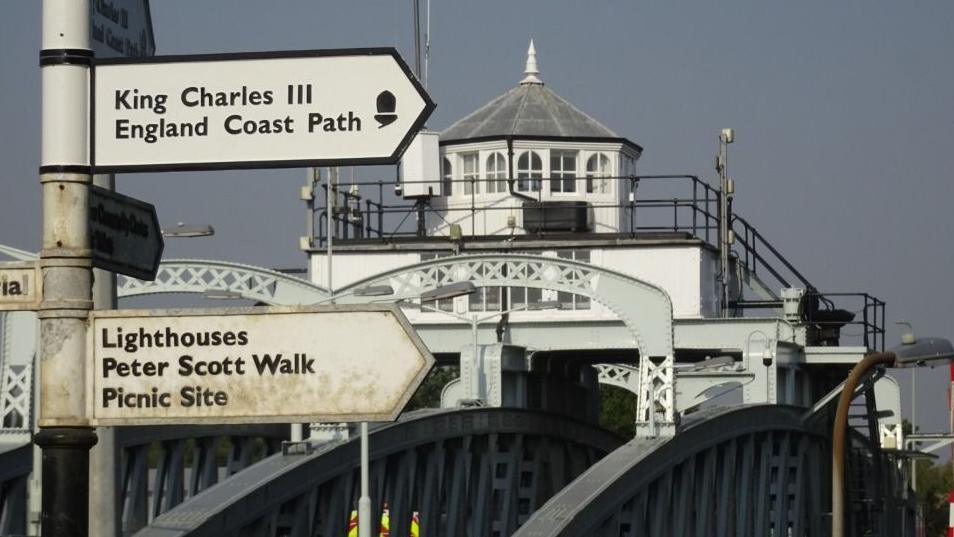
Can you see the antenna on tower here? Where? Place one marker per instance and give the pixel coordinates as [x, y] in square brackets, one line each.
[417, 38]
[427, 39]
[418, 71]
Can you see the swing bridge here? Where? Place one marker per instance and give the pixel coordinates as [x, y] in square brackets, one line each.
[515, 448]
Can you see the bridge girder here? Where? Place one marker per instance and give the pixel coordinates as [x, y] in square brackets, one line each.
[756, 470]
[645, 310]
[486, 469]
[201, 276]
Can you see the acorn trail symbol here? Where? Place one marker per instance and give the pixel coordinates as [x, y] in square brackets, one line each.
[387, 104]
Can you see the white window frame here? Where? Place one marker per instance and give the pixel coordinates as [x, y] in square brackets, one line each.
[563, 176]
[495, 172]
[529, 179]
[470, 178]
[596, 179]
[447, 177]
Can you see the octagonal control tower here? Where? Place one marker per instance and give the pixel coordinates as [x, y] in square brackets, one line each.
[540, 207]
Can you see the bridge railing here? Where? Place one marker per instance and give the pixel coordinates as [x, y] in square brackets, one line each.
[673, 204]
[15, 467]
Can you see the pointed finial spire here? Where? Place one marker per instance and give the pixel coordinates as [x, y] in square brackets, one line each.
[531, 70]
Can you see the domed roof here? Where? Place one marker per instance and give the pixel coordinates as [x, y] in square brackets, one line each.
[530, 110]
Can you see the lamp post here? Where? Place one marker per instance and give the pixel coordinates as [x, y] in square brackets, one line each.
[922, 351]
[183, 230]
[443, 292]
[367, 291]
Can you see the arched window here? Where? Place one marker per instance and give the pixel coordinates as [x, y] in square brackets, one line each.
[529, 172]
[597, 174]
[562, 171]
[495, 170]
[447, 178]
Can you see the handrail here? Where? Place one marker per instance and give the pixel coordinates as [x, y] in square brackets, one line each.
[662, 203]
[751, 247]
[693, 207]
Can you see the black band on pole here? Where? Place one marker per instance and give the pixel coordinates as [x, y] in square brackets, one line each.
[68, 168]
[61, 56]
[65, 509]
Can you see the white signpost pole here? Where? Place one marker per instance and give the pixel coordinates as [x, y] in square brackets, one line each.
[65, 436]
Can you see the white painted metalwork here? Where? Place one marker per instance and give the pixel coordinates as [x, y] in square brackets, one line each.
[17, 351]
[200, 276]
[645, 309]
[16, 395]
[619, 375]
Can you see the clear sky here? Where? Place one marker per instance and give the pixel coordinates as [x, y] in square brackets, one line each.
[844, 118]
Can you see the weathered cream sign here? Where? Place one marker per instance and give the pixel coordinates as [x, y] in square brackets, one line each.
[20, 286]
[253, 365]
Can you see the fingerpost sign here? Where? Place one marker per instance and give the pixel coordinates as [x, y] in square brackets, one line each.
[254, 110]
[252, 365]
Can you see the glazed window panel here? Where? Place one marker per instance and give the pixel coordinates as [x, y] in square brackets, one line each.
[522, 297]
[447, 178]
[529, 172]
[470, 172]
[597, 174]
[495, 173]
[485, 299]
[563, 171]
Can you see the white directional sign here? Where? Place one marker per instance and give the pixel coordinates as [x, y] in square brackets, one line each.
[124, 234]
[253, 365]
[257, 110]
[20, 286]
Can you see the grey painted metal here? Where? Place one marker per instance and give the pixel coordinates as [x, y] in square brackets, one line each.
[468, 472]
[645, 309]
[15, 467]
[201, 276]
[754, 470]
[145, 494]
[104, 458]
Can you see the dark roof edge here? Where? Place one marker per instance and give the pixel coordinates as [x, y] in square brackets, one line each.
[604, 139]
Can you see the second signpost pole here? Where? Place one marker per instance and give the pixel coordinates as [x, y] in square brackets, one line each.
[65, 436]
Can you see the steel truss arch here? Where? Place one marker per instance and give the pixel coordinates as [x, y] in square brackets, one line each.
[644, 308]
[201, 276]
[478, 471]
[754, 470]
